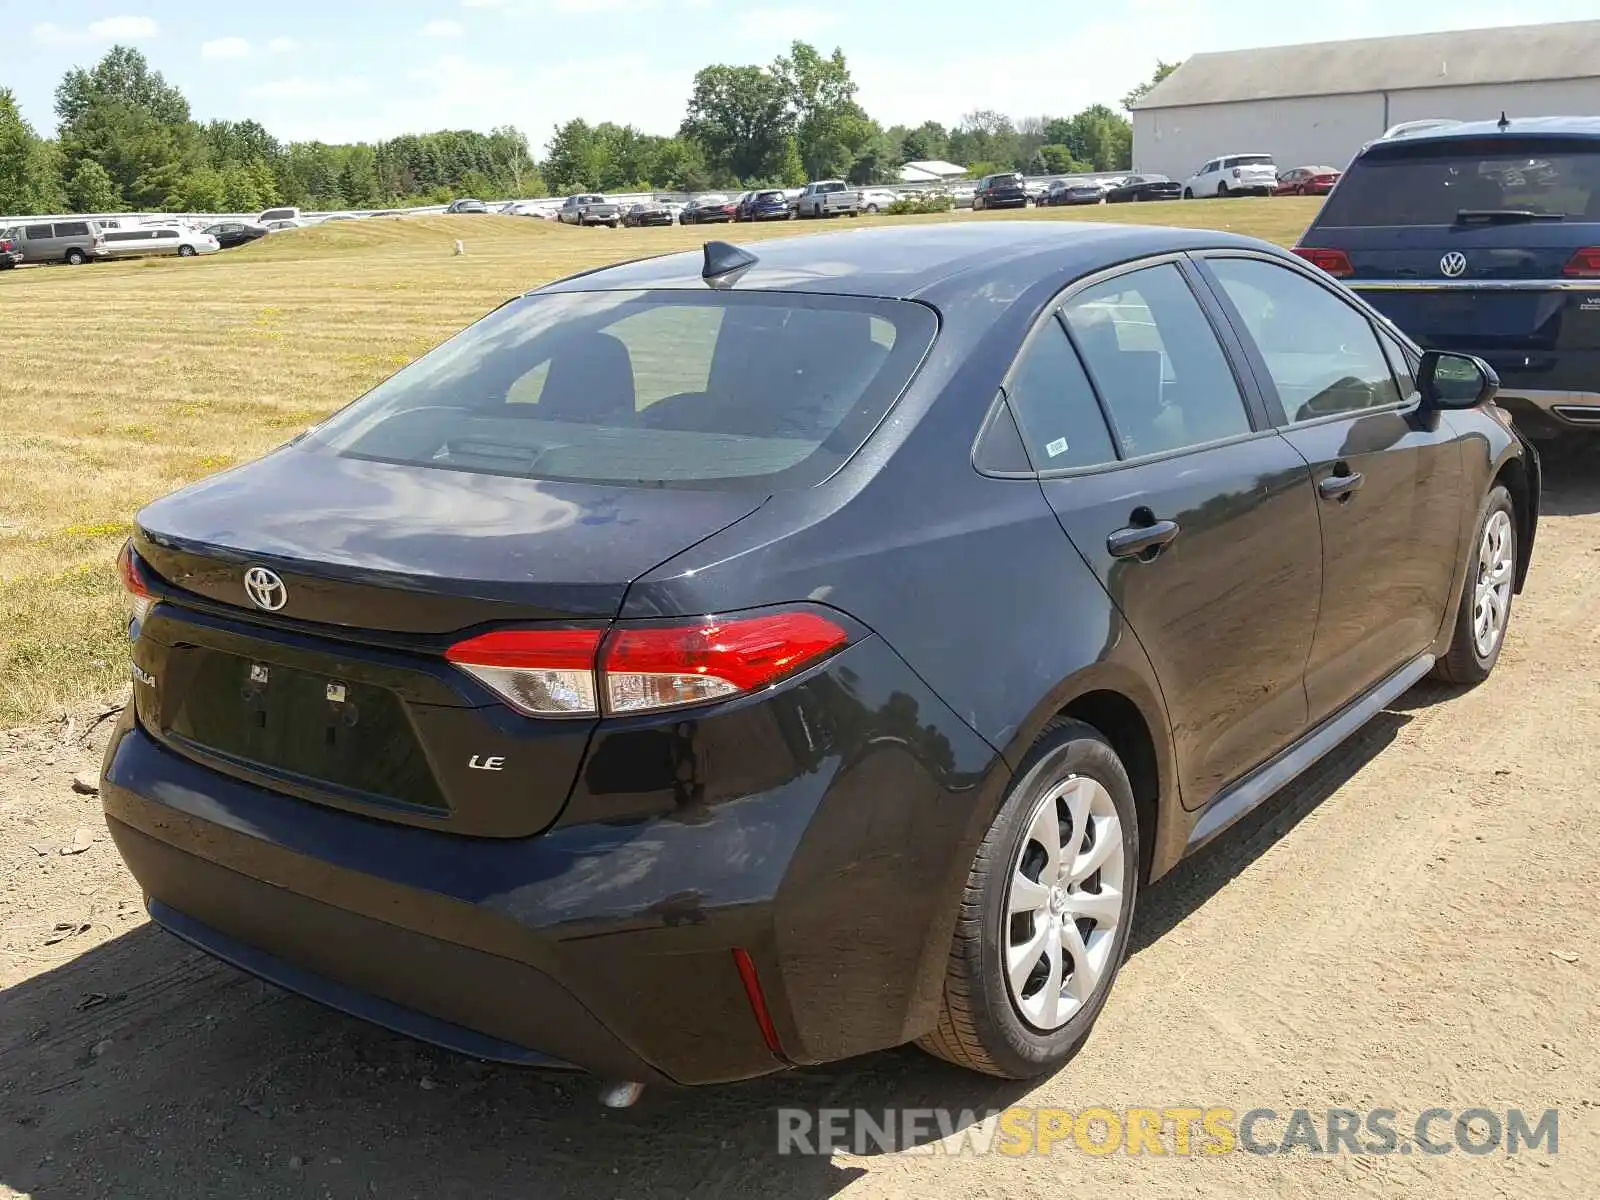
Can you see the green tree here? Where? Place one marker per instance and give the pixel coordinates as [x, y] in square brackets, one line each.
[741, 118]
[681, 166]
[928, 142]
[203, 190]
[122, 75]
[90, 189]
[984, 136]
[1056, 160]
[830, 128]
[241, 190]
[358, 177]
[575, 159]
[1099, 137]
[264, 186]
[1163, 69]
[30, 179]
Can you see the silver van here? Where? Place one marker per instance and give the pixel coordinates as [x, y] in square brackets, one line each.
[72, 242]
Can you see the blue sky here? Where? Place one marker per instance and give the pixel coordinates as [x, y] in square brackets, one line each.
[341, 70]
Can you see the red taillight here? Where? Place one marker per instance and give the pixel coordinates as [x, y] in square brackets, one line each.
[654, 667]
[540, 672]
[1334, 262]
[133, 583]
[566, 672]
[1585, 264]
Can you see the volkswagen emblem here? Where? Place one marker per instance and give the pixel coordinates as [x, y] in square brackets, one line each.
[265, 589]
[1453, 265]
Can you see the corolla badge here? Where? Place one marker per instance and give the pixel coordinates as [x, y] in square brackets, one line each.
[265, 589]
[1453, 265]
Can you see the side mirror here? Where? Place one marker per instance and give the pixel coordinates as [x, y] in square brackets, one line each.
[1455, 380]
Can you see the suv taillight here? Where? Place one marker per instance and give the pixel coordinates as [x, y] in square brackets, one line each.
[1585, 264]
[1334, 262]
[644, 668]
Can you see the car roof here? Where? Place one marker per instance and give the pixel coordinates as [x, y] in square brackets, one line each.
[1580, 128]
[917, 261]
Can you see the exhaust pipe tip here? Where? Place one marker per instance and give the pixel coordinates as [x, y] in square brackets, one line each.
[621, 1095]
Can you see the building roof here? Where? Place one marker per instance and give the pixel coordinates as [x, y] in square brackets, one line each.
[937, 167]
[1515, 54]
[930, 262]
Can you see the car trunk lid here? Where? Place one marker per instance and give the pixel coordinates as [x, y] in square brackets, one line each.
[342, 695]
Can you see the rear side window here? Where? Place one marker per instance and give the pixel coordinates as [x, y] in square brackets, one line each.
[669, 389]
[1054, 405]
[1156, 362]
[1433, 184]
[1322, 354]
[72, 229]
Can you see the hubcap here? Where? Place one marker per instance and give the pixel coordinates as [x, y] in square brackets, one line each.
[1063, 902]
[1491, 599]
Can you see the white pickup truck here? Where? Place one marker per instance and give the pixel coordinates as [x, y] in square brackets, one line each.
[828, 198]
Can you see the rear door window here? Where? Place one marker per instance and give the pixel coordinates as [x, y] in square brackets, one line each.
[1322, 353]
[1432, 184]
[668, 389]
[1156, 362]
[1054, 405]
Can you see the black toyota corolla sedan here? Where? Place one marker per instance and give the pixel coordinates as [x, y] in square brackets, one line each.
[741, 659]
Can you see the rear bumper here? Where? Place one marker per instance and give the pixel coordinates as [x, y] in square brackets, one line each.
[606, 943]
[1551, 412]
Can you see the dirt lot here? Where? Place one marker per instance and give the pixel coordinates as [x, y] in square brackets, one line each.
[1413, 926]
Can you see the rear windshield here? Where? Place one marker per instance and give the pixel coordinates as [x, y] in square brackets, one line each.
[1430, 185]
[671, 389]
[1249, 160]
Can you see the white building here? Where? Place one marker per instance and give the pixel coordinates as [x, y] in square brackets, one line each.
[930, 172]
[1318, 104]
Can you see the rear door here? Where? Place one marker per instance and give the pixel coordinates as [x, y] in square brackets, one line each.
[1199, 520]
[1474, 244]
[1389, 482]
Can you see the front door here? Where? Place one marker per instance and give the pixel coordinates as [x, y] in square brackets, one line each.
[1388, 481]
[1199, 519]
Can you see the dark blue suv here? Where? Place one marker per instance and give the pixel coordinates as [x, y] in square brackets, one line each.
[1483, 237]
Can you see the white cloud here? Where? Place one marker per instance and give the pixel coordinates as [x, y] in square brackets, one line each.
[783, 24]
[601, 6]
[443, 28]
[123, 29]
[111, 29]
[298, 88]
[225, 47]
[282, 45]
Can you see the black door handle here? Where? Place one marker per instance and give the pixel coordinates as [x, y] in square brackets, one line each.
[1340, 487]
[1143, 542]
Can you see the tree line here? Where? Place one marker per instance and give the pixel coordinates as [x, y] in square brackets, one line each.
[126, 139]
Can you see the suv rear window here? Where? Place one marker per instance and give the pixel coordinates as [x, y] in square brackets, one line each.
[667, 389]
[1431, 184]
[1248, 160]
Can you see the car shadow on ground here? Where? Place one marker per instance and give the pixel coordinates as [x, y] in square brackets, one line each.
[1571, 477]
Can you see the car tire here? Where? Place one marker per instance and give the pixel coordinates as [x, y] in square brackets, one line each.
[1222, 191]
[872, 208]
[1188, 193]
[185, 251]
[988, 1022]
[1484, 614]
[76, 257]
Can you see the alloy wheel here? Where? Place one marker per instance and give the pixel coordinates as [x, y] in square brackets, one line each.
[1491, 605]
[1063, 902]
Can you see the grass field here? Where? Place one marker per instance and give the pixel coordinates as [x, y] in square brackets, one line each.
[122, 381]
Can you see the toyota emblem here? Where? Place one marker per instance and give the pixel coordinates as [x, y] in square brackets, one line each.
[265, 589]
[1453, 265]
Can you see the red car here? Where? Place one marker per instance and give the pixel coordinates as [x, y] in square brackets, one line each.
[1306, 181]
[10, 251]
